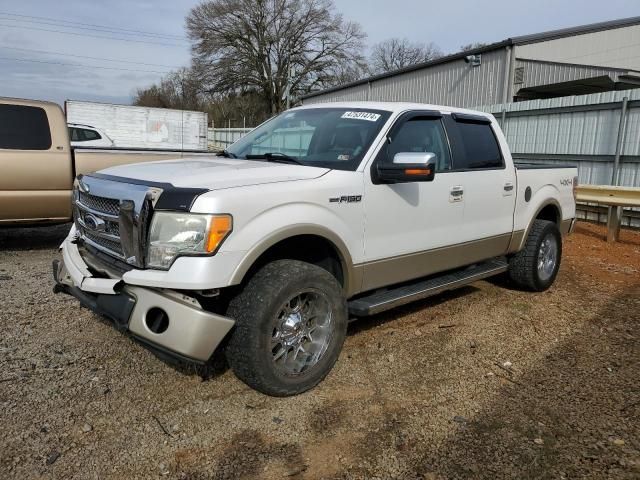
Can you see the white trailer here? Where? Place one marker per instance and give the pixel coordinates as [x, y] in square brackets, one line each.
[142, 127]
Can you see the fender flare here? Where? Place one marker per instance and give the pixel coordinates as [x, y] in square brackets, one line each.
[517, 241]
[352, 276]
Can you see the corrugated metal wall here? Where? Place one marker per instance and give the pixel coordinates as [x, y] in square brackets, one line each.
[582, 130]
[619, 47]
[455, 83]
[538, 73]
[358, 93]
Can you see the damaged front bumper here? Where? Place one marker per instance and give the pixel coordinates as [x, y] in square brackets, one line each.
[168, 320]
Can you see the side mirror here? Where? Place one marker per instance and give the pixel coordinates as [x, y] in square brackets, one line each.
[408, 167]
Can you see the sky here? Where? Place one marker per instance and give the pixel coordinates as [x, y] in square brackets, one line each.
[142, 40]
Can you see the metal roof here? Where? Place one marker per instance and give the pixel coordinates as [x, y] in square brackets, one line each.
[571, 31]
[521, 40]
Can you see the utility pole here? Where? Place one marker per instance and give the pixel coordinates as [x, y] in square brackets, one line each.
[287, 91]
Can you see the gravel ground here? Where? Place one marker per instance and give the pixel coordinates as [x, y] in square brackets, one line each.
[484, 382]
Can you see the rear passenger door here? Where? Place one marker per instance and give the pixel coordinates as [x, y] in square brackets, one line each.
[484, 184]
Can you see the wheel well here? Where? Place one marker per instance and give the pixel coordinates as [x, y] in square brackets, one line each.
[550, 213]
[312, 249]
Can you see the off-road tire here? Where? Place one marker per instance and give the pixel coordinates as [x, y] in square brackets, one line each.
[254, 308]
[523, 266]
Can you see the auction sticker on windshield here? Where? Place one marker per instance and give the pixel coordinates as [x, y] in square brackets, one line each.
[368, 116]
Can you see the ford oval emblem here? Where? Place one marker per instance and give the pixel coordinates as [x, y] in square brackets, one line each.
[94, 223]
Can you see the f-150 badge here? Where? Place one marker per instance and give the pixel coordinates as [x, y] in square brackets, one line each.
[346, 199]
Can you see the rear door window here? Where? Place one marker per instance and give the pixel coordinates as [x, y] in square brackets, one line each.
[474, 144]
[24, 128]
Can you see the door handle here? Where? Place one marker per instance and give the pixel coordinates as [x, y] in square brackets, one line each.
[507, 189]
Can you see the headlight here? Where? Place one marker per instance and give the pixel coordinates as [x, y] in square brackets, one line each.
[174, 234]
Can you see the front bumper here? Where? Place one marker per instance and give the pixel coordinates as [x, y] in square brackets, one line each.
[167, 320]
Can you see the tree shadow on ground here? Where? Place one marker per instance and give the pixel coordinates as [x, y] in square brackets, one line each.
[577, 415]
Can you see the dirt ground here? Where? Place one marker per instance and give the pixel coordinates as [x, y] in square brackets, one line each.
[484, 382]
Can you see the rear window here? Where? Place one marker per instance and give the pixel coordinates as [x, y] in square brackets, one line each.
[91, 135]
[83, 135]
[480, 148]
[24, 128]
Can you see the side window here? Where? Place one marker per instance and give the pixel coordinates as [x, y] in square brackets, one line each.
[421, 134]
[24, 128]
[476, 146]
[73, 134]
[91, 135]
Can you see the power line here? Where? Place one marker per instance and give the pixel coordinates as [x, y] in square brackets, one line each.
[61, 22]
[82, 65]
[103, 30]
[94, 36]
[88, 57]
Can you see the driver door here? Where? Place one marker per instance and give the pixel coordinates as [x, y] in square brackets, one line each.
[410, 227]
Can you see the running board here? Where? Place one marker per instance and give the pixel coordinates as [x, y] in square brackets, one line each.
[380, 301]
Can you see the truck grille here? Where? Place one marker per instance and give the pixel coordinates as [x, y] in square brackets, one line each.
[113, 217]
[111, 246]
[109, 206]
[97, 220]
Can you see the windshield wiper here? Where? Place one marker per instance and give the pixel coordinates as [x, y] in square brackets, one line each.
[226, 154]
[274, 157]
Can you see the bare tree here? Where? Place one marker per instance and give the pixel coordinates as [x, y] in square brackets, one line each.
[182, 90]
[280, 48]
[179, 89]
[397, 53]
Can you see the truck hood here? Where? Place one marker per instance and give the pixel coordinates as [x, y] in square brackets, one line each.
[214, 173]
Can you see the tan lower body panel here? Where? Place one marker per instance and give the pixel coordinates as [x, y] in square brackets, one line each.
[520, 237]
[517, 241]
[565, 226]
[407, 267]
[20, 206]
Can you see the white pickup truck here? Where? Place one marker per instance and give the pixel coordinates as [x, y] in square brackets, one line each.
[322, 214]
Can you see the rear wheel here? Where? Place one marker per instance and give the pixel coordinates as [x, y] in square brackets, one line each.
[535, 267]
[291, 321]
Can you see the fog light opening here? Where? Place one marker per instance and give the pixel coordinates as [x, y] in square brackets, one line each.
[157, 320]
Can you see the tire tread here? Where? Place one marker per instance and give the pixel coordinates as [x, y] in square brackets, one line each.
[252, 302]
[523, 265]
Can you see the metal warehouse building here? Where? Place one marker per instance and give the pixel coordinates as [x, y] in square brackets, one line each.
[573, 61]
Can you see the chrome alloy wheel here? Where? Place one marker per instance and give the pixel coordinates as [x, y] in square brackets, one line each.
[547, 257]
[301, 332]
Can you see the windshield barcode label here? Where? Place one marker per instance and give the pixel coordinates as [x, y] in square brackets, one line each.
[369, 117]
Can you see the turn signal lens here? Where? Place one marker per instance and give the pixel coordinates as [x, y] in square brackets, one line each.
[219, 228]
[417, 171]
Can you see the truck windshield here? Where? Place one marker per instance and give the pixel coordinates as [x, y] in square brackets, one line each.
[323, 137]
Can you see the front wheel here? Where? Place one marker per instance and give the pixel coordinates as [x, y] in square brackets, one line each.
[535, 267]
[291, 322]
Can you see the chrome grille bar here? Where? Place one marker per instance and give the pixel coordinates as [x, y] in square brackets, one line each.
[113, 216]
[82, 206]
